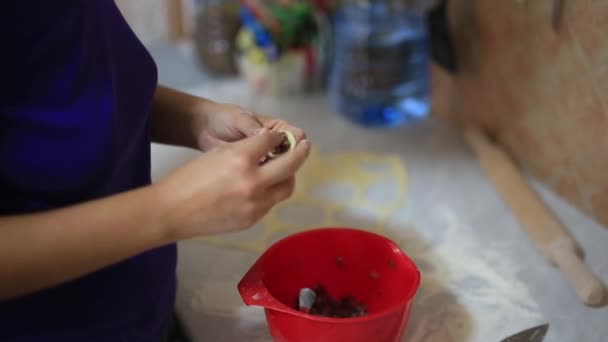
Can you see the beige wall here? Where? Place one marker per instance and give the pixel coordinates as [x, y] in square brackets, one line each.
[158, 20]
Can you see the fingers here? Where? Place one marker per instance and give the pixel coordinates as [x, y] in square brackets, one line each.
[248, 124]
[281, 191]
[276, 193]
[257, 146]
[281, 125]
[283, 168]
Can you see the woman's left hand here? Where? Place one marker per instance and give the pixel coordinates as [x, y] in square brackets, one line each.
[226, 123]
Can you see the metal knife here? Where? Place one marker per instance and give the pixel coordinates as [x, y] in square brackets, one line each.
[536, 334]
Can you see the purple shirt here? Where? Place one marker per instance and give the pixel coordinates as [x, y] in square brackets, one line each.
[76, 87]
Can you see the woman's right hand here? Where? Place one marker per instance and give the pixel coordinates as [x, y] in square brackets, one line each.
[227, 189]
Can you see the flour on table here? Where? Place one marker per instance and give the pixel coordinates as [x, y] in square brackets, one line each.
[462, 281]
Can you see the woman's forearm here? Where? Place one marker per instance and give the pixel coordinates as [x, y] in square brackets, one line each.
[45, 249]
[176, 117]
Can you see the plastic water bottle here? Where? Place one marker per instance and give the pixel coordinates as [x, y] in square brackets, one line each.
[380, 74]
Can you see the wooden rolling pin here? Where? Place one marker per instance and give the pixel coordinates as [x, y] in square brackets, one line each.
[545, 230]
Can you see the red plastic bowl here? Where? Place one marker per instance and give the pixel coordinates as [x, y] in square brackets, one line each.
[346, 261]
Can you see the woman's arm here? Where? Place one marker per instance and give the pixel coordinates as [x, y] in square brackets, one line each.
[224, 190]
[184, 120]
[177, 117]
[42, 250]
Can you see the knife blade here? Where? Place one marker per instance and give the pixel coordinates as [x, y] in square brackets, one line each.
[536, 334]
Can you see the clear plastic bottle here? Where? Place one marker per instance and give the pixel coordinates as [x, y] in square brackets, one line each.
[380, 74]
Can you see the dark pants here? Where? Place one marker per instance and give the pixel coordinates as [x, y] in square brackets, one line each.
[174, 331]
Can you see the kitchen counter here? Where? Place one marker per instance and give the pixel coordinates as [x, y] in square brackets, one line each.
[482, 278]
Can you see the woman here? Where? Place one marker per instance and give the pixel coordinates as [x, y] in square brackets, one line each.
[87, 245]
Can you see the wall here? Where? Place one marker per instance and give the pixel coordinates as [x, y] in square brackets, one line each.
[157, 21]
[543, 94]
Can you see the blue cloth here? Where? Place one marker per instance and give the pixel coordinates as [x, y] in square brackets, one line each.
[76, 87]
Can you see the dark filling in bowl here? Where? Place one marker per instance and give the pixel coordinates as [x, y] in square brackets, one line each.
[327, 306]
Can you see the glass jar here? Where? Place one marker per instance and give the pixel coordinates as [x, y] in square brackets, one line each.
[217, 24]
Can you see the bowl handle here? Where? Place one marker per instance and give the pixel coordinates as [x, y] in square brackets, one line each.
[254, 292]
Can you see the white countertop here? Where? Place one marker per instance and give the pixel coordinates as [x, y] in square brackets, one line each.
[482, 278]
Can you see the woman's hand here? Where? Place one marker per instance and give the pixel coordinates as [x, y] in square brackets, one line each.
[221, 123]
[185, 120]
[227, 189]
